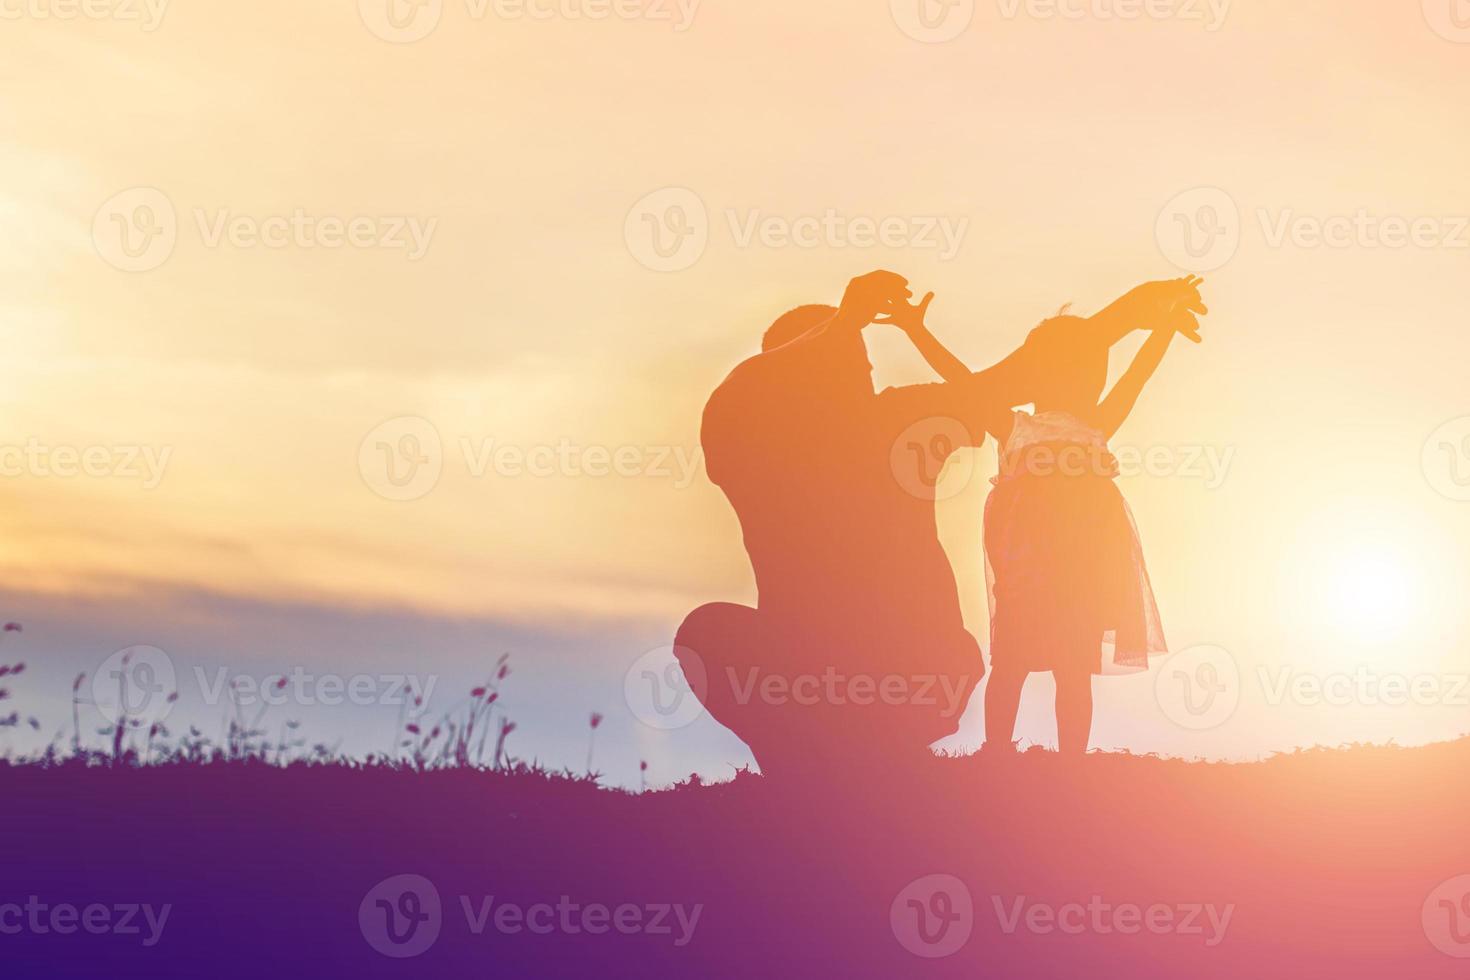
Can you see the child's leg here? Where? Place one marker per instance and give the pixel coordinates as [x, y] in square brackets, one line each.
[1002, 704]
[1074, 710]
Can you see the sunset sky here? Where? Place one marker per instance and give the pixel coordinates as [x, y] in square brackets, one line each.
[232, 381]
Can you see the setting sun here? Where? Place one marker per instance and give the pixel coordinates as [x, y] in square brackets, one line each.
[1370, 574]
[1370, 589]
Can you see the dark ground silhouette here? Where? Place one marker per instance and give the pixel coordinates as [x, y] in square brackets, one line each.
[1327, 859]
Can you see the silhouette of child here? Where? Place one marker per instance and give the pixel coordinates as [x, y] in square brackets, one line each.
[1063, 559]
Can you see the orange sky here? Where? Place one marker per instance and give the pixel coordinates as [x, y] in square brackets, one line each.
[524, 315]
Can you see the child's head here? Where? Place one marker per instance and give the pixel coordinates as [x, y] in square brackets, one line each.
[1070, 368]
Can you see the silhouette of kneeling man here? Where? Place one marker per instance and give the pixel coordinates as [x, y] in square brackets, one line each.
[856, 653]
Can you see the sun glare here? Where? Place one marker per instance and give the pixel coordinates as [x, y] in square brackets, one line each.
[1370, 589]
[1370, 574]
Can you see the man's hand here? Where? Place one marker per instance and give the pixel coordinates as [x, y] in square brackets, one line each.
[909, 319]
[868, 296]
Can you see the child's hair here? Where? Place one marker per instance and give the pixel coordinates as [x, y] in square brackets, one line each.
[1070, 369]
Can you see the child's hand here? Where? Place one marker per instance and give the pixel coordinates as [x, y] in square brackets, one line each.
[909, 319]
[1188, 296]
[1155, 302]
[1187, 324]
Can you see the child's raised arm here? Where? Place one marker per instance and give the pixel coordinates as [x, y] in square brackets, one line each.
[1119, 403]
[1144, 307]
[910, 319]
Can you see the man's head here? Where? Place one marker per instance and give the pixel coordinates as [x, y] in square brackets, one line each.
[790, 326]
[846, 362]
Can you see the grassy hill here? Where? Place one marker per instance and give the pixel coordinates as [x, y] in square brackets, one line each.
[1321, 863]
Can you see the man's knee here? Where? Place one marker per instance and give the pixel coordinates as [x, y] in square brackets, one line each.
[712, 644]
[717, 634]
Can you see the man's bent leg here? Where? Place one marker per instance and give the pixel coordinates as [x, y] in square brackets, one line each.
[726, 656]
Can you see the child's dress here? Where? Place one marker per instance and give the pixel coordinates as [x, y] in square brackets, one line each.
[1063, 560]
